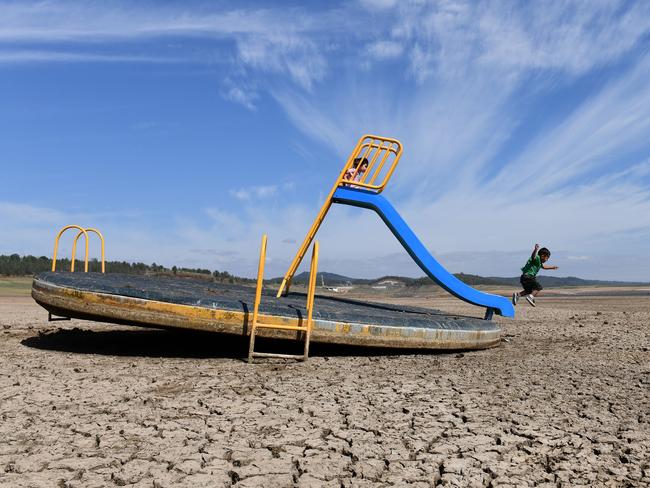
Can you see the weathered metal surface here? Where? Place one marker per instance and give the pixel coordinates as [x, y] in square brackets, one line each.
[194, 304]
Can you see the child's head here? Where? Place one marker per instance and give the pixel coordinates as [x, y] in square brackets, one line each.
[544, 254]
[363, 162]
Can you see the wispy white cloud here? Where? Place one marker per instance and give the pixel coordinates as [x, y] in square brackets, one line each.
[273, 41]
[606, 127]
[255, 192]
[385, 49]
[21, 212]
[241, 91]
[571, 36]
[568, 183]
[449, 38]
[354, 242]
[296, 56]
[378, 4]
[261, 192]
[44, 21]
[40, 56]
[452, 80]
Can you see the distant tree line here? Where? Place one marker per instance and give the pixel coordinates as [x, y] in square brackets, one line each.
[16, 265]
[470, 279]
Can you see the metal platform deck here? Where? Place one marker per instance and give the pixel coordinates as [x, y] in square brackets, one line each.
[164, 302]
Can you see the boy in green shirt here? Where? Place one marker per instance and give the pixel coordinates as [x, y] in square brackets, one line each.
[528, 274]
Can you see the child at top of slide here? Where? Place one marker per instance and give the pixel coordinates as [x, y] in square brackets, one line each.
[361, 164]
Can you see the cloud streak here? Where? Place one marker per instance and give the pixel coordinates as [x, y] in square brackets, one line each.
[495, 156]
[45, 56]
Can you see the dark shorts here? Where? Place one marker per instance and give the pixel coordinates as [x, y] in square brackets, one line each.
[529, 283]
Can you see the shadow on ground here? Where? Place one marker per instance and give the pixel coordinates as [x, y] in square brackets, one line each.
[187, 344]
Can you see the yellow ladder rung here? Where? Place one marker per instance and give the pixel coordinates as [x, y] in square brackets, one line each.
[277, 355]
[284, 327]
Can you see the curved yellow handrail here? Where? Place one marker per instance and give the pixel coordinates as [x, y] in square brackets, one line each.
[56, 246]
[311, 290]
[74, 247]
[260, 280]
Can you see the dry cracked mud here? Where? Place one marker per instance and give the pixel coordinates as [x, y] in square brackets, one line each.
[565, 402]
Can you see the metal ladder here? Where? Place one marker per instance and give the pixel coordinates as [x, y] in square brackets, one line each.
[305, 329]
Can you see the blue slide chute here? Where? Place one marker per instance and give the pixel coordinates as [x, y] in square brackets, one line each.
[420, 254]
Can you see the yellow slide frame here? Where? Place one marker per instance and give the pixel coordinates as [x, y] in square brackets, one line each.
[382, 155]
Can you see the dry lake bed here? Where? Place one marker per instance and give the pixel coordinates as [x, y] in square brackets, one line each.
[563, 401]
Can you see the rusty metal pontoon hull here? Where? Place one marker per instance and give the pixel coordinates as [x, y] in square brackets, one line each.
[163, 302]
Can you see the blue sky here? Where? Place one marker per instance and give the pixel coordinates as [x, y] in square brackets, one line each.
[185, 130]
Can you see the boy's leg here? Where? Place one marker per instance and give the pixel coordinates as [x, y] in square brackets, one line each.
[534, 292]
[537, 288]
[526, 285]
[519, 294]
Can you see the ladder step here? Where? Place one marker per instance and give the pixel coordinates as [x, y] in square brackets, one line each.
[275, 355]
[285, 327]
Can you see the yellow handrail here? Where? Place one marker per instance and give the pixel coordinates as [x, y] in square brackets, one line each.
[56, 246]
[74, 247]
[371, 146]
[258, 289]
[313, 272]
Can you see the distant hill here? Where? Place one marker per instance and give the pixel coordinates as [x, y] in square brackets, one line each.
[568, 281]
[333, 279]
[330, 279]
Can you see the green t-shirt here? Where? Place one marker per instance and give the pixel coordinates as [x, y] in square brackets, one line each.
[532, 267]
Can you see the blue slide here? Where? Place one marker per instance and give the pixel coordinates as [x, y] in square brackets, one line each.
[420, 254]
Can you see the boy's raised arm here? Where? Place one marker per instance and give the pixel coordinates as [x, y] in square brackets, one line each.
[532, 256]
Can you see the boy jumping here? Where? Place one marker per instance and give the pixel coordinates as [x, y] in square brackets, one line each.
[528, 274]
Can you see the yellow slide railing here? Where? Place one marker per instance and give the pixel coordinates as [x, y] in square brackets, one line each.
[373, 160]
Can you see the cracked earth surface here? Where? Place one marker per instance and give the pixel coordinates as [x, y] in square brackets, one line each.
[565, 402]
